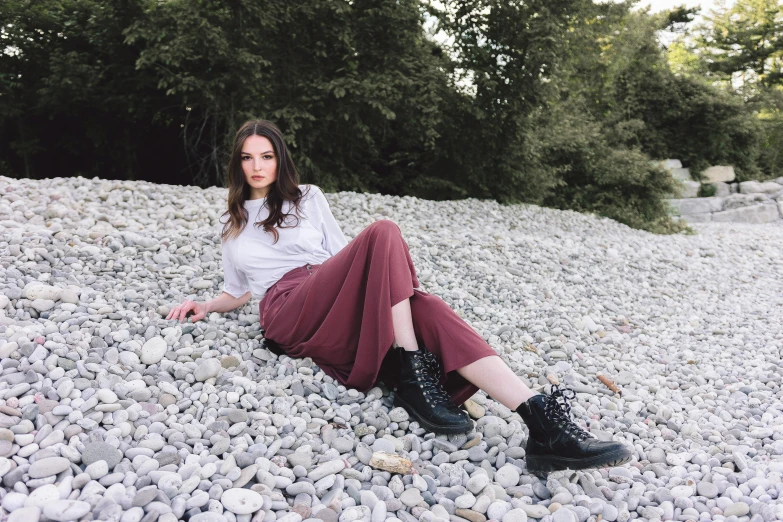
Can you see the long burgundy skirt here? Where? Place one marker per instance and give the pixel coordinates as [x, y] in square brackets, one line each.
[339, 314]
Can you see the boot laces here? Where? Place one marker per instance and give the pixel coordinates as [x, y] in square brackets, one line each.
[558, 410]
[431, 386]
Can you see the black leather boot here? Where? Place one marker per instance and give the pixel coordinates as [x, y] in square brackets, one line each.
[422, 395]
[557, 443]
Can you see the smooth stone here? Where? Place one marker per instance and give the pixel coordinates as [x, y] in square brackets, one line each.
[327, 468]
[507, 476]
[206, 516]
[469, 514]
[300, 459]
[498, 509]
[153, 350]
[106, 396]
[64, 510]
[207, 369]
[682, 491]
[356, 514]
[516, 515]
[564, 515]
[326, 515]
[25, 514]
[737, 509]
[707, 489]
[97, 469]
[656, 456]
[48, 467]
[342, 444]
[477, 483]
[95, 451]
[535, 510]
[411, 497]
[241, 501]
[43, 495]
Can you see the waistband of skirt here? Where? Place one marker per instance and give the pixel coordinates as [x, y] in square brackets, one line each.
[295, 271]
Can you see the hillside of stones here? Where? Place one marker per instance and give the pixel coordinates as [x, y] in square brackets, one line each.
[110, 412]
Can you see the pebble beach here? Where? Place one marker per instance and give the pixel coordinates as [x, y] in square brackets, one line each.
[108, 411]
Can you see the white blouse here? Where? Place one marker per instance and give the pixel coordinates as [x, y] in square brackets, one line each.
[252, 263]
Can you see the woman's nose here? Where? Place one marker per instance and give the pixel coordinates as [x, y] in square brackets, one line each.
[257, 164]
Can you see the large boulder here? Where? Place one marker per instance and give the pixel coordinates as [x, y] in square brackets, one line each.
[681, 174]
[670, 164]
[761, 213]
[758, 187]
[743, 200]
[674, 166]
[721, 189]
[697, 205]
[689, 189]
[719, 173]
[697, 218]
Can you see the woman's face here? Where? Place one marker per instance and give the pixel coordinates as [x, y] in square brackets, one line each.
[259, 164]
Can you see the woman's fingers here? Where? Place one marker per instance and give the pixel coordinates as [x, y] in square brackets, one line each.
[187, 306]
[180, 313]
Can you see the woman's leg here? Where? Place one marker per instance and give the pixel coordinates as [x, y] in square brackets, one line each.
[555, 442]
[490, 374]
[493, 375]
[404, 336]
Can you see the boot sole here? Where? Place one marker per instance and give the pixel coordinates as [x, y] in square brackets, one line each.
[542, 465]
[424, 423]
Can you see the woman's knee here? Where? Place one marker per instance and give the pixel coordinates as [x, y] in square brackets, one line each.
[384, 226]
[429, 306]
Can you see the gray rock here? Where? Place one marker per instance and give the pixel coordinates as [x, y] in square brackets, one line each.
[761, 213]
[719, 173]
[48, 467]
[207, 369]
[95, 451]
[707, 489]
[66, 509]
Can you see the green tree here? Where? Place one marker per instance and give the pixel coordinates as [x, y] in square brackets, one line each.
[741, 48]
[507, 51]
[641, 103]
[353, 85]
[72, 101]
[745, 41]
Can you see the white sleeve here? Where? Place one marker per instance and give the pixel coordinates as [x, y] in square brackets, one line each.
[234, 281]
[333, 237]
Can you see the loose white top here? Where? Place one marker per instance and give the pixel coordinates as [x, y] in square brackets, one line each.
[252, 262]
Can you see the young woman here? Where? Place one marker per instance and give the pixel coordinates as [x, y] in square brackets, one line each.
[346, 306]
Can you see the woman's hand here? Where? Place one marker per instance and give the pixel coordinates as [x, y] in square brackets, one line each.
[196, 311]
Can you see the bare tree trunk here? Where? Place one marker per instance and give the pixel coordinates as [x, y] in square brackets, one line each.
[25, 153]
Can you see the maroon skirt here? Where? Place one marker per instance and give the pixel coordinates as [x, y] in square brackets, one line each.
[339, 314]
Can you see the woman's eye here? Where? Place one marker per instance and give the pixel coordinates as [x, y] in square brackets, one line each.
[268, 157]
[245, 158]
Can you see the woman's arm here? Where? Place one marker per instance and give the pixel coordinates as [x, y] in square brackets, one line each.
[225, 302]
[333, 238]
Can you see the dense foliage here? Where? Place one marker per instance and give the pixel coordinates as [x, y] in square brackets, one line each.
[740, 48]
[555, 102]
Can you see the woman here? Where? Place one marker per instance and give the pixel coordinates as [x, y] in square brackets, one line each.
[346, 305]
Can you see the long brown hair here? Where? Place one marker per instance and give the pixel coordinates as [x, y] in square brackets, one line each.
[284, 188]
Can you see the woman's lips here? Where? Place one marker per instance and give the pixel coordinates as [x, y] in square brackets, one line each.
[258, 177]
